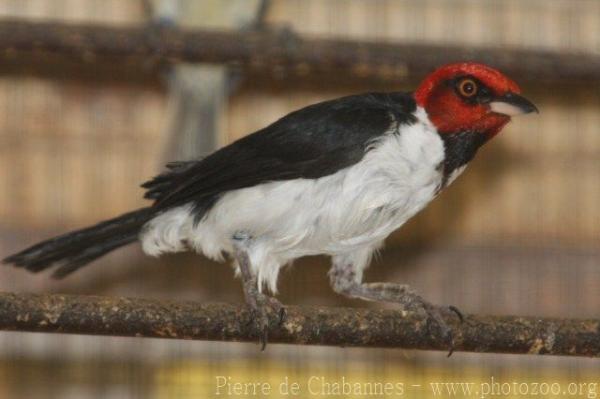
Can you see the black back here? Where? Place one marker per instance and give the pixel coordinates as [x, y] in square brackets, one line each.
[312, 142]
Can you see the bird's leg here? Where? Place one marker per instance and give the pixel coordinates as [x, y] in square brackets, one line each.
[262, 306]
[346, 281]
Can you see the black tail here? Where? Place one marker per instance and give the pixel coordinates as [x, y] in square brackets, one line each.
[74, 250]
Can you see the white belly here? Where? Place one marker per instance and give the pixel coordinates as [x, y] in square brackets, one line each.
[354, 208]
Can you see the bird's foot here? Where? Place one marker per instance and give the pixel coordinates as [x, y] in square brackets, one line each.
[410, 301]
[435, 314]
[265, 311]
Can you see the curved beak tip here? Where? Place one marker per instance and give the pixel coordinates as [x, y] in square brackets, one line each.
[512, 104]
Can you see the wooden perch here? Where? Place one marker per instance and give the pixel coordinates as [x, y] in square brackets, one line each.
[275, 53]
[311, 326]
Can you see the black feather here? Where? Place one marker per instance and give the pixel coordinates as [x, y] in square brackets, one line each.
[460, 148]
[312, 142]
[81, 246]
[74, 263]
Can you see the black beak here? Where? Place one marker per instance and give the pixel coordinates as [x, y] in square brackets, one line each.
[512, 104]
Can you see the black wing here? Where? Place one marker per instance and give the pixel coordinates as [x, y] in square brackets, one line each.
[312, 142]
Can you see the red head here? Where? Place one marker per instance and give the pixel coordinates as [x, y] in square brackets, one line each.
[470, 97]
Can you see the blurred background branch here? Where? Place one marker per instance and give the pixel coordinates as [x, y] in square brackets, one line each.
[277, 52]
[311, 326]
[199, 93]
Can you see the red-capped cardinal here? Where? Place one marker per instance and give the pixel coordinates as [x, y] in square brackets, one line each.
[334, 178]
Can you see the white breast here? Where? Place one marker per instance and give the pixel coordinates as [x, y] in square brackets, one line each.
[354, 208]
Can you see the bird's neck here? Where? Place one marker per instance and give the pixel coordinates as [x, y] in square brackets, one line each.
[460, 148]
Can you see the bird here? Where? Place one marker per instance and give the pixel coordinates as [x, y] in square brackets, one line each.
[334, 178]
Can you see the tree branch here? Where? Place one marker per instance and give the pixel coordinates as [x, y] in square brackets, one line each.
[314, 326]
[276, 53]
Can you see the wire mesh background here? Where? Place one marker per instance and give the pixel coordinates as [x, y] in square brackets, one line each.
[519, 233]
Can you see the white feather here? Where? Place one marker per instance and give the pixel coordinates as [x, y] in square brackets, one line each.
[346, 214]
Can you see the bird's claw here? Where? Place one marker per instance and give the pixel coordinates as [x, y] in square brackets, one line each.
[263, 309]
[457, 312]
[434, 314]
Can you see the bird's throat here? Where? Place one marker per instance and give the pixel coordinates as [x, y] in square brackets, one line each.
[460, 148]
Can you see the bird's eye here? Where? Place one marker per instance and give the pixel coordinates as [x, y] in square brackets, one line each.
[467, 88]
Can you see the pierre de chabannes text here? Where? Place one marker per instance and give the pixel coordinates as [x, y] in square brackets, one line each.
[343, 386]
